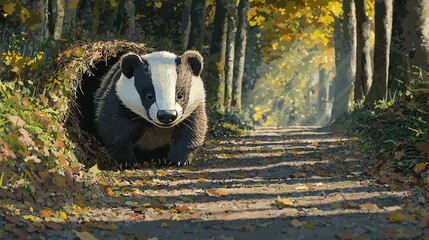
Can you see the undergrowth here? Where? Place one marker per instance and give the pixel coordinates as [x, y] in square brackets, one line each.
[397, 130]
[229, 124]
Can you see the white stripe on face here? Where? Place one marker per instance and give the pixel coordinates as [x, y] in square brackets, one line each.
[164, 77]
[127, 93]
[196, 96]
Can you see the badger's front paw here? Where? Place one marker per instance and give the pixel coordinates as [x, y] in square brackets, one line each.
[129, 165]
[180, 160]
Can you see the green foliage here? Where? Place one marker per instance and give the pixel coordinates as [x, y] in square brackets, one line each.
[230, 124]
[397, 129]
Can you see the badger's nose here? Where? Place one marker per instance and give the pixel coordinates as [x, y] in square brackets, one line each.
[166, 116]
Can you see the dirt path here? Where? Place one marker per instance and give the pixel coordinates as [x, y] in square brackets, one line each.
[277, 183]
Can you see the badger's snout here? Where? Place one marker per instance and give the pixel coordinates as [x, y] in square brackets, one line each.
[166, 116]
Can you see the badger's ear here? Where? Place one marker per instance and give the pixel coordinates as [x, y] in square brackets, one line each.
[194, 60]
[129, 63]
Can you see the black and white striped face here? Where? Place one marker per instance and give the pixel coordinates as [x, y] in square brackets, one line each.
[161, 87]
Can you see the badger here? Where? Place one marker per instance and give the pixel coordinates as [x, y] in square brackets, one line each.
[152, 107]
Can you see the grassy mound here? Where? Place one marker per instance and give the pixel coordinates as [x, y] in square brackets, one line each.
[43, 148]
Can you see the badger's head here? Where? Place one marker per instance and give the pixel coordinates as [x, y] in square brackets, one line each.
[161, 87]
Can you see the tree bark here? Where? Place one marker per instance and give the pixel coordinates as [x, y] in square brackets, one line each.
[69, 15]
[240, 53]
[186, 23]
[399, 50]
[345, 59]
[130, 22]
[323, 95]
[383, 34]
[216, 74]
[230, 53]
[197, 31]
[363, 62]
[59, 19]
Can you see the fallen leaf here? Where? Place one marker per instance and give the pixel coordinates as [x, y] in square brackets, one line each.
[296, 223]
[308, 225]
[109, 191]
[419, 167]
[399, 155]
[303, 187]
[216, 192]
[60, 181]
[201, 180]
[283, 202]
[84, 235]
[164, 225]
[398, 216]
[368, 207]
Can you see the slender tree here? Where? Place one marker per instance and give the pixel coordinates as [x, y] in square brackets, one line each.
[399, 70]
[216, 68]
[240, 53]
[345, 59]
[230, 52]
[59, 21]
[186, 23]
[69, 22]
[363, 61]
[323, 95]
[198, 27]
[383, 34]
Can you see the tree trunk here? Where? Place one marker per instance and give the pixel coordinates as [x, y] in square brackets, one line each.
[130, 22]
[363, 54]
[216, 68]
[84, 14]
[345, 59]
[69, 15]
[197, 31]
[230, 52]
[383, 34]
[399, 50]
[96, 14]
[59, 18]
[240, 53]
[323, 95]
[186, 23]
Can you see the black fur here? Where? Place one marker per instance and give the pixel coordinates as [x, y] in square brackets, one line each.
[119, 129]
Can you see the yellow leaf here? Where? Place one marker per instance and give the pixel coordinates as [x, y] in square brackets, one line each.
[302, 187]
[216, 192]
[308, 225]
[202, 180]
[420, 167]
[114, 3]
[176, 217]
[283, 202]
[160, 173]
[164, 225]
[9, 8]
[62, 216]
[24, 15]
[29, 217]
[109, 191]
[158, 4]
[73, 4]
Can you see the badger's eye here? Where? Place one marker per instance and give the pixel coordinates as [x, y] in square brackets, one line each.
[180, 95]
[149, 96]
